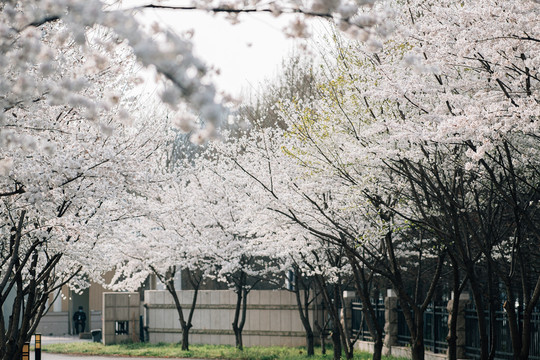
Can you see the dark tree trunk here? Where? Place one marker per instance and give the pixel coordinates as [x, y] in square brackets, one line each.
[168, 280]
[310, 344]
[527, 313]
[185, 338]
[323, 341]
[240, 311]
[336, 342]
[409, 314]
[349, 352]
[417, 345]
[452, 336]
[238, 337]
[331, 299]
[479, 304]
[31, 290]
[414, 314]
[377, 348]
[303, 310]
[520, 337]
[362, 289]
[493, 305]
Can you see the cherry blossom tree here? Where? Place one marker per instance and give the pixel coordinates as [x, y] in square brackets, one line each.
[163, 244]
[440, 134]
[493, 61]
[226, 219]
[422, 146]
[64, 196]
[72, 149]
[365, 138]
[61, 82]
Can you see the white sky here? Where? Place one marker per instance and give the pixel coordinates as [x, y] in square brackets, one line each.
[247, 53]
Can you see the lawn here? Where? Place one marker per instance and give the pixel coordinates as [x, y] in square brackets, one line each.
[196, 351]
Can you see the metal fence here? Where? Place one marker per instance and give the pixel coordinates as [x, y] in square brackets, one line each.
[435, 328]
[359, 324]
[502, 340]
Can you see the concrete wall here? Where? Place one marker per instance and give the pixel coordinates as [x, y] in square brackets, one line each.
[405, 352]
[399, 351]
[272, 317]
[95, 320]
[120, 307]
[57, 323]
[54, 324]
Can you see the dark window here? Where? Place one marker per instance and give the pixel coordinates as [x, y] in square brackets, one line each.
[121, 327]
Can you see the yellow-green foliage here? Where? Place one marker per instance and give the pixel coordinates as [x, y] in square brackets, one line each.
[342, 107]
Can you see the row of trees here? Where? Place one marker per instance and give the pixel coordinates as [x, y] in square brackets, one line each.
[414, 167]
[82, 147]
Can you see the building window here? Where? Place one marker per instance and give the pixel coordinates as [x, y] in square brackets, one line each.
[121, 327]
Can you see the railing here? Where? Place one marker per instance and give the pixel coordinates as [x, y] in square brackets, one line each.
[435, 328]
[502, 340]
[359, 324]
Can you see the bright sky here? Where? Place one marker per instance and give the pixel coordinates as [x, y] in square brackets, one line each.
[247, 53]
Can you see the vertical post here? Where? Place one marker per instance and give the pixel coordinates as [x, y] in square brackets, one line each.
[390, 321]
[26, 351]
[434, 327]
[37, 338]
[346, 316]
[461, 334]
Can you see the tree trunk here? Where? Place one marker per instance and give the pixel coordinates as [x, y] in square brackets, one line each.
[511, 315]
[240, 311]
[31, 293]
[525, 339]
[377, 348]
[323, 343]
[303, 310]
[362, 289]
[377, 333]
[310, 344]
[452, 336]
[336, 341]
[236, 329]
[185, 338]
[527, 313]
[238, 337]
[349, 351]
[417, 351]
[417, 345]
[493, 305]
[168, 280]
[479, 304]
[332, 304]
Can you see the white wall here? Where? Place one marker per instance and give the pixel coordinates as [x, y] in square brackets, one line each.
[272, 318]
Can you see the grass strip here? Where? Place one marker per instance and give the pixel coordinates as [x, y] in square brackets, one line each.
[195, 351]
